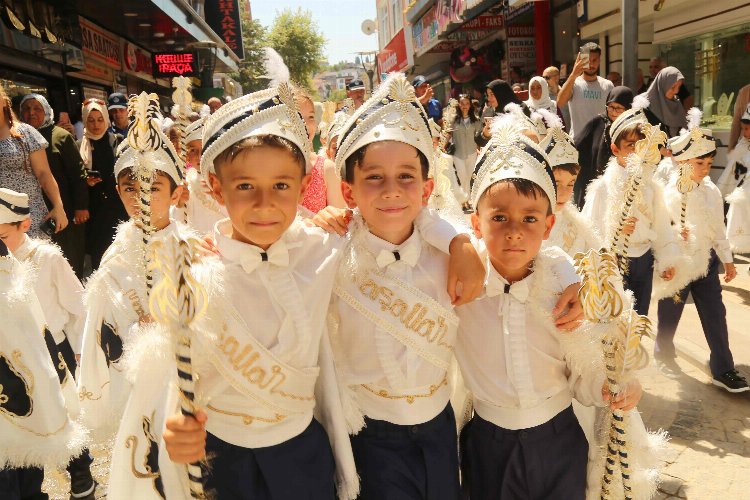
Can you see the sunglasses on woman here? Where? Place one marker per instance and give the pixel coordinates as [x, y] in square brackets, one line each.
[94, 100]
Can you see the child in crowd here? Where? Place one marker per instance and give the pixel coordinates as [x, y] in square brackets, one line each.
[203, 211]
[116, 296]
[694, 151]
[653, 242]
[524, 440]
[571, 231]
[61, 297]
[37, 428]
[732, 185]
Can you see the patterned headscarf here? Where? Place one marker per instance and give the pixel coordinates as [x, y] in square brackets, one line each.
[49, 115]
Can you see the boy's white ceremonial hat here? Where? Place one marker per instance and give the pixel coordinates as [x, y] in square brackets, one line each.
[164, 158]
[693, 141]
[393, 113]
[746, 114]
[510, 154]
[14, 206]
[557, 144]
[272, 111]
[629, 117]
[194, 131]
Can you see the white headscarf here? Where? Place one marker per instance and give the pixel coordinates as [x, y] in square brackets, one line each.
[543, 102]
[88, 136]
[49, 115]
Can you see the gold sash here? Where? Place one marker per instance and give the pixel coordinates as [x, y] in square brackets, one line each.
[407, 313]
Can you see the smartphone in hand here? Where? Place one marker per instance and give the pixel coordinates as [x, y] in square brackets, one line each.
[585, 57]
[49, 227]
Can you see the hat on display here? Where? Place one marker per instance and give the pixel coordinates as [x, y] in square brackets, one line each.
[630, 117]
[557, 144]
[694, 141]
[355, 84]
[14, 206]
[510, 154]
[418, 80]
[393, 113]
[117, 100]
[272, 111]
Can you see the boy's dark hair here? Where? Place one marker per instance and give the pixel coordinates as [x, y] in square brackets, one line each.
[710, 154]
[257, 141]
[359, 155]
[524, 187]
[629, 133]
[571, 168]
[128, 172]
[592, 47]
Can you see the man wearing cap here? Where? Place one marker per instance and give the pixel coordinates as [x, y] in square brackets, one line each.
[425, 95]
[355, 90]
[117, 105]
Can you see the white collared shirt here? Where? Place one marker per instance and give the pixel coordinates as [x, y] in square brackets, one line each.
[510, 356]
[58, 289]
[362, 347]
[260, 293]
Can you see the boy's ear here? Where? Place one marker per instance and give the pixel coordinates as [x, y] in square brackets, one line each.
[346, 191]
[26, 224]
[427, 188]
[303, 186]
[475, 224]
[549, 222]
[615, 150]
[215, 184]
[176, 194]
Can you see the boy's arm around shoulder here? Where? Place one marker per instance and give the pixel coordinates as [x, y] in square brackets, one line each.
[466, 271]
[69, 292]
[568, 312]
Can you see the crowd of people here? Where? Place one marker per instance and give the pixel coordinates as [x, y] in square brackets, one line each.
[361, 310]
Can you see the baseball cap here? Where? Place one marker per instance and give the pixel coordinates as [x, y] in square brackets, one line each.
[117, 101]
[418, 80]
[355, 84]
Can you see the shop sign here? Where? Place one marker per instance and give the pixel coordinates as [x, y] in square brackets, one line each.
[224, 18]
[512, 13]
[136, 61]
[522, 48]
[394, 56]
[426, 30]
[99, 44]
[170, 64]
[484, 22]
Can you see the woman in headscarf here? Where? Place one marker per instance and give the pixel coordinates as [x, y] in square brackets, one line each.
[539, 97]
[664, 107]
[593, 142]
[98, 155]
[65, 164]
[499, 94]
[24, 168]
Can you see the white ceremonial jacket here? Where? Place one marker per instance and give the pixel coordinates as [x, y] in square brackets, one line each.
[572, 232]
[57, 288]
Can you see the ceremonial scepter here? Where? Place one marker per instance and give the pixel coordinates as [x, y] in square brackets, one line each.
[177, 300]
[144, 136]
[183, 100]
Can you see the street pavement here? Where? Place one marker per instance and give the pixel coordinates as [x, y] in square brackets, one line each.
[708, 454]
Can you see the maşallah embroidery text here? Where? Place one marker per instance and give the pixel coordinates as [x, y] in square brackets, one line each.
[411, 317]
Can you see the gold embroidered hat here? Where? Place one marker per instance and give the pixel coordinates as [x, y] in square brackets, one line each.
[629, 117]
[194, 131]
[14, 206]
[393, 113]
[272, 111]
[693, 141]
[510, 154]
[557, 144]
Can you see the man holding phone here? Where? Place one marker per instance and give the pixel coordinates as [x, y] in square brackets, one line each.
[585, 89]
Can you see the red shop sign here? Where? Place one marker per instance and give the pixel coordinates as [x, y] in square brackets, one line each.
[393, 56]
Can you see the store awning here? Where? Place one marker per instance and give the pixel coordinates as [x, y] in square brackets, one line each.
[158, 26]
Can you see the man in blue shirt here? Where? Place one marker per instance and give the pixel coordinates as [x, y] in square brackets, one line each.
[425, 95]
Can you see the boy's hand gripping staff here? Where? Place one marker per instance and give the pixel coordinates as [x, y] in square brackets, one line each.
[175, 303]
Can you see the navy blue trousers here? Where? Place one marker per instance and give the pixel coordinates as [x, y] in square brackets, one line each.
[22, 483]
[408, 462]
[300, 468]
[706, 293]
[543, 462]
[639, 280]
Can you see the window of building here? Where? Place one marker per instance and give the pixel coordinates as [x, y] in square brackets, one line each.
[383, 31]
[397, 16]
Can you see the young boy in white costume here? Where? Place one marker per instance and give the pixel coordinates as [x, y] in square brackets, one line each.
[116, 295]
[524, 440]
[61, 297]
[732, 185]
[707, 245]
[653, 242]
[258, 169]
[38, 427]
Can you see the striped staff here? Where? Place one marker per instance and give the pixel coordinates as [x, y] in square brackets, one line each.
[647, 153]
[177, 300]
[603, 301]
[183, 99]
[143, 136]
